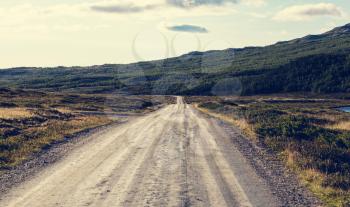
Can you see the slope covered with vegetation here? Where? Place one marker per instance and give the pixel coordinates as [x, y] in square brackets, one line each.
[315, 63]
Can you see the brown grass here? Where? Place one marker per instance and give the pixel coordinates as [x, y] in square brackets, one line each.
[57, 115]
[313, 179]
[290, 157]
[64, 110]
[42, 136]
[240, 123]
[342, 125]
[14, 113]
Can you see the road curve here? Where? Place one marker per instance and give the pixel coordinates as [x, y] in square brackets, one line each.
[171, 157]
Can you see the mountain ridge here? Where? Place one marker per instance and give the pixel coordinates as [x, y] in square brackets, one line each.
[314, 63]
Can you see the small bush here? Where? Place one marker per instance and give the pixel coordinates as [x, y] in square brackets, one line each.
[337, 181]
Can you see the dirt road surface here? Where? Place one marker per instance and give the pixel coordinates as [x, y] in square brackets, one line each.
[172, 157]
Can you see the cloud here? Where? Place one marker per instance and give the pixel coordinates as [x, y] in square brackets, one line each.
[308, 11]
[255, 3]
[188, 28]
[122, 8]
[172, 7]
[196, 3]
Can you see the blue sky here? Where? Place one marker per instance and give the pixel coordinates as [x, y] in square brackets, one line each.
[91, 32]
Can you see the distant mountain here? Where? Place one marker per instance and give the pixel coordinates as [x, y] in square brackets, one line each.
[339, 31]
[315, 63]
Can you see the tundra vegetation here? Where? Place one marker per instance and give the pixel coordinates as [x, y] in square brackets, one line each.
[32, 121]
[310, 134]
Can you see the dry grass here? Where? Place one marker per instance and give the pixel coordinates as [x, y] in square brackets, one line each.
[240, 123]
[15, 113]
[313, 179]
[290, 157]
[343, 125]
[54, 130]
[329, 117]
[57, 115]
[64, 110]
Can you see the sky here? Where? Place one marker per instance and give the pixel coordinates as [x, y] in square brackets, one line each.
[42, 33]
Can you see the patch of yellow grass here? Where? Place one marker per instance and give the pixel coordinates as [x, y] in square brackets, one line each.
[240, 123]
[333, 117]
[64, 110]
[330, 117]
[14, 113]
[54, 130]
[330, 196]
[290, 157]
[313, 179]
[343, 125]
[62, 128]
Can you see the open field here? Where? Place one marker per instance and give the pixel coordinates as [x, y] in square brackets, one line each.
[309, 134]
[31, 121]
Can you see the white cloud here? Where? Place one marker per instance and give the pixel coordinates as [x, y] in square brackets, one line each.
[117, 9]
[196, 3]
[308, 12]
[68, 16]
[123, 8]
[166, 8]
[253, 2]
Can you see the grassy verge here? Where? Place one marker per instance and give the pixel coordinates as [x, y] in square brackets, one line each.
[241, 123]
[309, 134]
[31, 121]
[18, 141]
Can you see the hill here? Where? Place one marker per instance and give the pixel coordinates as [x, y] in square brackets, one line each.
[315, 63]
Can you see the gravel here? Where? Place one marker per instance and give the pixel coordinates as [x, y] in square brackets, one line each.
[282, 181]
[14, 176]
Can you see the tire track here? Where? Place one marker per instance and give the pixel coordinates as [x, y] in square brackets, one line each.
[172, 157]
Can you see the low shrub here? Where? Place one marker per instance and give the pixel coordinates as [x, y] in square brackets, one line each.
[302, 130]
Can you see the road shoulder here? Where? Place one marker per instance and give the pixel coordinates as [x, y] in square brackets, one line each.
[39, 161]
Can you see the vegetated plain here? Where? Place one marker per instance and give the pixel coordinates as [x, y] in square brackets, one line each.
[31, 121]
[309, 133]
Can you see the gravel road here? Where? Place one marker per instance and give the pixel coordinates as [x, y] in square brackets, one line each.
[175, 156]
